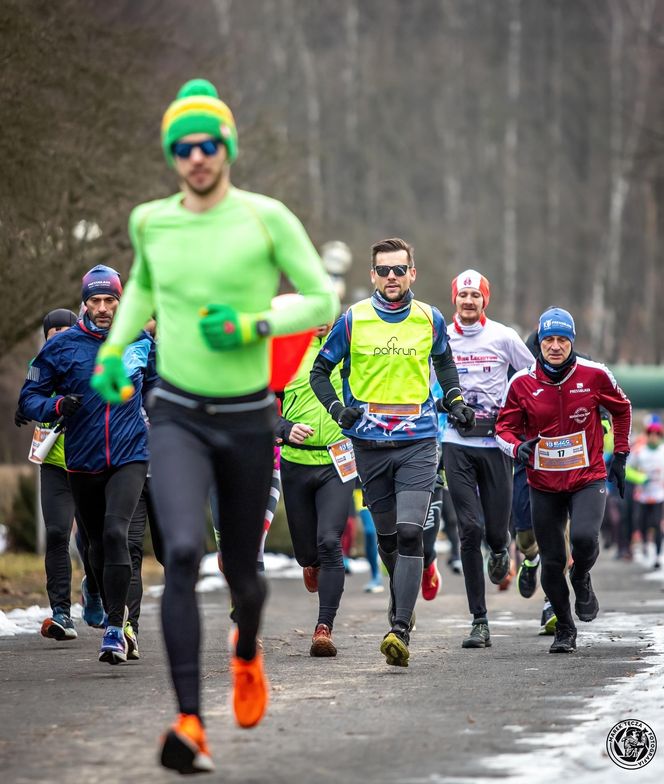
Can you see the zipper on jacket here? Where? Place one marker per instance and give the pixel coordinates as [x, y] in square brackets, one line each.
[108, 435]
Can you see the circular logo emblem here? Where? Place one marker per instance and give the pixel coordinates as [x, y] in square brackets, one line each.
[631, 744]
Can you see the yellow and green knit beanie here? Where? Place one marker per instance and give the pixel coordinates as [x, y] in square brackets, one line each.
[198, 109]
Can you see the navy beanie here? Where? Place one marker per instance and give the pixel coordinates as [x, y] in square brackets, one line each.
[556, 321]
[101, 280]
[61, 317]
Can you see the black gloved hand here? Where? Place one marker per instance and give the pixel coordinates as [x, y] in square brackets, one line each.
[462, 415]
[20, 419]
[524, 451]
[345, 416]
[617, 471]
[68, 405]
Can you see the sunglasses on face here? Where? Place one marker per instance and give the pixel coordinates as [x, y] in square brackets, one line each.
[184, 149]
[383, 270]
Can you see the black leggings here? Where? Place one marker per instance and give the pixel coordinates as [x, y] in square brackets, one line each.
[316, 502]
[585, 508]
[106, 504]
[489, 471]
[189, 451]
[432, 525]
[650, 516]
[57, 505]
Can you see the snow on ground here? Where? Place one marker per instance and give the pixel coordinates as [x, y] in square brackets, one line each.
[277, 566]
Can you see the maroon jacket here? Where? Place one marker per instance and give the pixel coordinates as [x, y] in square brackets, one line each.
[535, 405]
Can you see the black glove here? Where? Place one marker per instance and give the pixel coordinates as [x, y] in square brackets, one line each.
[617, 471]
[462, 415]
[345, 416]
[20, 419]
[68, 405]
[524, 451]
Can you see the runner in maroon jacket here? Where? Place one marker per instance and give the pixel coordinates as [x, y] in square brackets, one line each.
[555, 403]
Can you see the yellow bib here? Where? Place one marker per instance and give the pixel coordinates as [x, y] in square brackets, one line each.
[389, 363]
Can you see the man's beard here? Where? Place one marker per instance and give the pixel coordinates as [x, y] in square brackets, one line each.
[208, 188]
[391, 298]
[108, 318]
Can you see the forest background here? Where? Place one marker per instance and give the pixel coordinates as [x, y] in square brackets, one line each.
[520, 137]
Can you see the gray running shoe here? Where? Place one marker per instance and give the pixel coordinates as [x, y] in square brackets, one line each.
[498, 566]
[480, 636]
[564, 641]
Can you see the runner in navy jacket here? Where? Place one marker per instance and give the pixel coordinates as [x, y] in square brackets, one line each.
[99, 435]
[556, 404]
[106, 446]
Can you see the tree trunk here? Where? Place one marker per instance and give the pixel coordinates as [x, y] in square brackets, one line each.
[511, 143]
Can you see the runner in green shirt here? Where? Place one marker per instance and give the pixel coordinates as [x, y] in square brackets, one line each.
[207, 263]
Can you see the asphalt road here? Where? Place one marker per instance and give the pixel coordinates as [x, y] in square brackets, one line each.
[64, 717]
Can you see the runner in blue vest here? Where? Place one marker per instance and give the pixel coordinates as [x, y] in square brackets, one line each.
[386, 344]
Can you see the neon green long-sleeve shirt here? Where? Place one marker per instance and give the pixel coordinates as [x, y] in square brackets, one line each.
[231, 254]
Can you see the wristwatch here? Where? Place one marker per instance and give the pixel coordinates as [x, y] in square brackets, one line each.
[263, 328]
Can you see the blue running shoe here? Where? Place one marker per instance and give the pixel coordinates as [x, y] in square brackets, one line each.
[375, 585]
[113, 646]
[60, 627]
[93, 609]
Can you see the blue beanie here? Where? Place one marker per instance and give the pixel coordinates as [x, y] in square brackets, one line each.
[101, 280]
[556, 321]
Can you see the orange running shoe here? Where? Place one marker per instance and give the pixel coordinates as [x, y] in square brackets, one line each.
[310, 577]
[250, 690]
[431, 582]
[184, 747]
[321, 642]
[505, 583]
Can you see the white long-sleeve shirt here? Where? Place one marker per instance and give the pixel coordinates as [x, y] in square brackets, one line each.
[483, 354]
[651, 463]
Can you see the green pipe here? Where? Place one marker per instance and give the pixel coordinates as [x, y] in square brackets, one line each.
[643, 384]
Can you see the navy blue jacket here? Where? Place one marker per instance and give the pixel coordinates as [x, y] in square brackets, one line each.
[99, 435]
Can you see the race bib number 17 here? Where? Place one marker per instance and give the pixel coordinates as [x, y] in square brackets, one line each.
[562, 453]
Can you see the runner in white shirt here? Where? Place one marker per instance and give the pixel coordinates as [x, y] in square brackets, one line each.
[483, 351]
[649, 497]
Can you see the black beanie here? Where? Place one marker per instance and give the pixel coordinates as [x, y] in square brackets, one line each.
[59, 318]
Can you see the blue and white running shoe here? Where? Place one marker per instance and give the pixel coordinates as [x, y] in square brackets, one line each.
[113, 646]
[93, 609]
[60, 627]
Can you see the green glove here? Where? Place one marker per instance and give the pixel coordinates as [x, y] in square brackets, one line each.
[110, 380]
[224, 328]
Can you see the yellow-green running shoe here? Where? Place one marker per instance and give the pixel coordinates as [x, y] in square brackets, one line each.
[132, 641]
[395, 648]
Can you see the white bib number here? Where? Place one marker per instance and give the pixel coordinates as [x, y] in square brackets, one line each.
[562, 453]
[343, 457]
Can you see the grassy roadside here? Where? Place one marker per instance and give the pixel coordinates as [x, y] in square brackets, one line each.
[23, 580]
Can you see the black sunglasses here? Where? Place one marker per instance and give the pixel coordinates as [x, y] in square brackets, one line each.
[208, 147]
[383, 270]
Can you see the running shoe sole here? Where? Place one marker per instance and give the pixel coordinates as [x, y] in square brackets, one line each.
[112, 657]
[322, 647]
[395, 651]
[471, 643]
[181, 754]
[561, 649]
